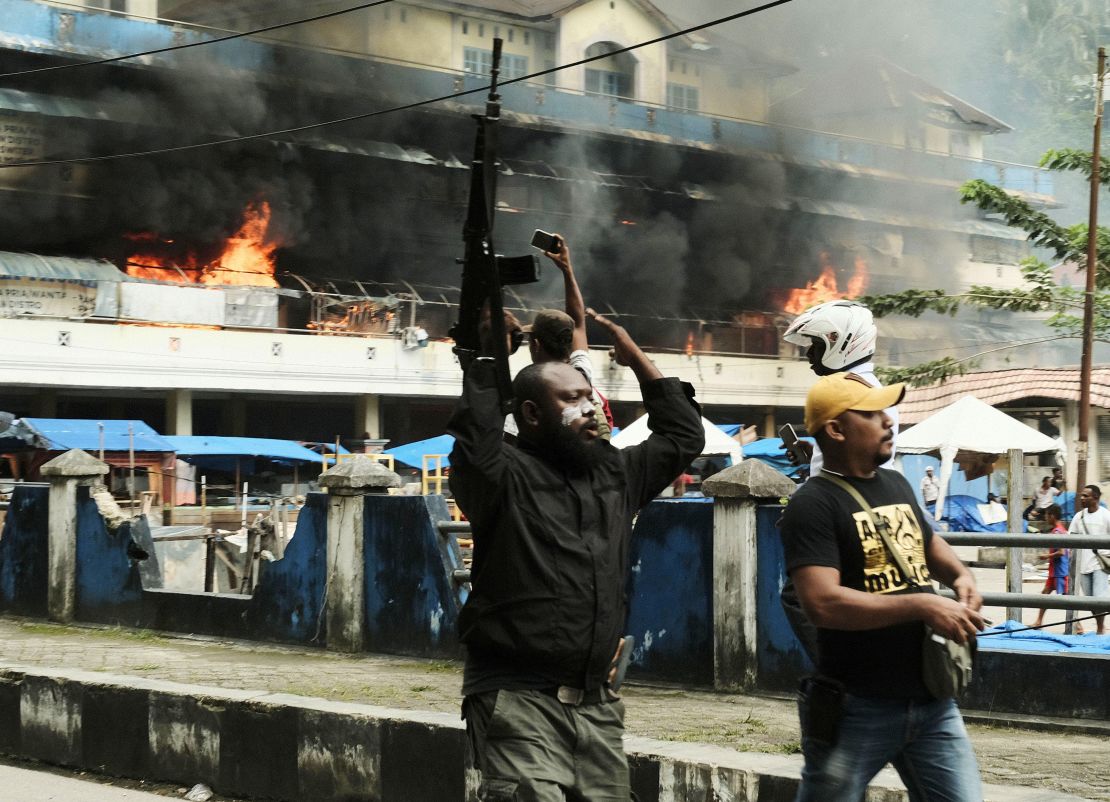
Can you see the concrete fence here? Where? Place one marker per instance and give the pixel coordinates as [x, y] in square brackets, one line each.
[367, 571]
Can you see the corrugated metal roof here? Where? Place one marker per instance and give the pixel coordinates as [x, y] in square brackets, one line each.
[30, 265]
[65, 433]
[1001, 386]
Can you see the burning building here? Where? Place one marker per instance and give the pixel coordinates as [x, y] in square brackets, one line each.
[701, 204]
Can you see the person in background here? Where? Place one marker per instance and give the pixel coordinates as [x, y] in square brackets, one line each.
[1092, 519]
[1043, 496]
[1058, 566]
[561, 336]
[838, 336]
[1058, 480]
[930, 490]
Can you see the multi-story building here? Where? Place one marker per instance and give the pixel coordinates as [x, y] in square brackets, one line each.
[703, 201]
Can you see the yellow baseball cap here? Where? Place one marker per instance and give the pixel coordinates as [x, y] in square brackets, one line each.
[833, 395]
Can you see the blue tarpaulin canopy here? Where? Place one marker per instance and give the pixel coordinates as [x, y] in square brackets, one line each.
[771, 451]
[413, 453]
[220, 453]
[62, 434]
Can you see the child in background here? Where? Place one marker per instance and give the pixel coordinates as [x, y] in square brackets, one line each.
[1057, 559]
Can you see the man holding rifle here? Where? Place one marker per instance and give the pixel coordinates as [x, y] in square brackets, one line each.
[551, 520]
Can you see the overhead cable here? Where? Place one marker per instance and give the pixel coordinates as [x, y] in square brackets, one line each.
[392, 109]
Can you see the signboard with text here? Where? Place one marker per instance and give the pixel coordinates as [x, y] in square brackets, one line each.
[26, 296]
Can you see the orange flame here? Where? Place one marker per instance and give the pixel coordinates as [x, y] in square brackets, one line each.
[825, 287]
[690, 344]
[247, 258]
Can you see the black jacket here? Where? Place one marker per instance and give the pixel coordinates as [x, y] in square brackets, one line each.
[551, 548]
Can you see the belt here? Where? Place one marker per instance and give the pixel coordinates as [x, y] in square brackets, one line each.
[577, 696]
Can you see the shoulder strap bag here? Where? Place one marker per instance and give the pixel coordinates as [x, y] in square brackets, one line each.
[946, 666]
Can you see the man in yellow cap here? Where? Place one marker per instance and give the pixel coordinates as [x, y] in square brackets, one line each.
[868, 704]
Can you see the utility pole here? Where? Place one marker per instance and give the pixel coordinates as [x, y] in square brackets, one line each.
[1089, 294]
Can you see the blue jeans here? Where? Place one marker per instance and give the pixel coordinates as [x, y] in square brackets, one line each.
[925, 742]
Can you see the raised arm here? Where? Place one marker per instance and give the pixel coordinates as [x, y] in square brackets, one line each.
[575, 306]
[626, 350]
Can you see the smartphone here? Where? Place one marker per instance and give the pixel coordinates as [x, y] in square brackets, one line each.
[790, 443]
[548, 243]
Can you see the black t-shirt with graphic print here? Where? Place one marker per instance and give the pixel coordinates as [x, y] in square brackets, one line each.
[825, 526]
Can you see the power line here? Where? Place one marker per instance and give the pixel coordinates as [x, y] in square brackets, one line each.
[393, 109]
[187, 45]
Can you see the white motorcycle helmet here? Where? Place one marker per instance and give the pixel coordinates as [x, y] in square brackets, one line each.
[840, 335]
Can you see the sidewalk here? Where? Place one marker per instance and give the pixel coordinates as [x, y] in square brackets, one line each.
[1059, 758]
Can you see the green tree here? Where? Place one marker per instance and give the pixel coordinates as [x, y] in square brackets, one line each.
[1040, 292]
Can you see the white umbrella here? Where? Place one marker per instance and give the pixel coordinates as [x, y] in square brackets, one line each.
[970, 425]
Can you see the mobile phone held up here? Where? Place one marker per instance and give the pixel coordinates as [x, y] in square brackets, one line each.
[548, 243]
[790, 443]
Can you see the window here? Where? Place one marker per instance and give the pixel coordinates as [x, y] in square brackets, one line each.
[465, 27]
[549, 79]
[481, 31]
[404, 15]
[117, 5]
[605, 82]
[1103, 446]
[510, 34]
[670, 65]
[680, 96]
[513, 66]
[479, 62]
[527, 37]
[496, 31]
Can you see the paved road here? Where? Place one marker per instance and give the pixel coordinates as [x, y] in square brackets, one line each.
[1060, 761]
[30, 783]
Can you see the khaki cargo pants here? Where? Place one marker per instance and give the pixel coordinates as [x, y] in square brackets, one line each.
[530, 747]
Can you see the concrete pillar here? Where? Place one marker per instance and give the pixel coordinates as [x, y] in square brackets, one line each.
[736, 492]
[179, 412]
[47, 403]
[233, 416]
[66, 473]
[770, 424]
[348, 484]
[368, 416]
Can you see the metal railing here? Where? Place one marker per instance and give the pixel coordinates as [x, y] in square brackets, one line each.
[1013, 599]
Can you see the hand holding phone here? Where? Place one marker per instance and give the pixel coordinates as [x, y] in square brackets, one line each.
[548, 243]
[795, 449]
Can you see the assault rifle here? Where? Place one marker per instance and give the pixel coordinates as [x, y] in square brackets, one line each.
[484, 272]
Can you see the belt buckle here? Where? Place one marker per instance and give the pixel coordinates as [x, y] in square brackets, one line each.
[569, 696]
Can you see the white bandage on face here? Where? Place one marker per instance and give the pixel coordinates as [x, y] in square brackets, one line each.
[571, 414]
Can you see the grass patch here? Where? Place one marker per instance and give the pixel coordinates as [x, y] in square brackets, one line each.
[421, 688]
[44, 628]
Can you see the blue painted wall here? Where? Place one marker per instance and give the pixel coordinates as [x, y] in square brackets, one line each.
[287, 605]
[23, 552]
[670, 592]
[108, 586]
[779, 655]
[411, 605]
